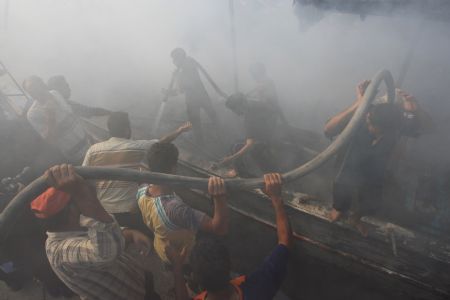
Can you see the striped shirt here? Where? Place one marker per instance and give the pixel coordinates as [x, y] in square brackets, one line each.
[118, 196]
[93, 264]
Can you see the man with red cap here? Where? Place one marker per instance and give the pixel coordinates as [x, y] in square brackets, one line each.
[85, 245]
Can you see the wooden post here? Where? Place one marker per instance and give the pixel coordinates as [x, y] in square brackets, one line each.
[233, 47]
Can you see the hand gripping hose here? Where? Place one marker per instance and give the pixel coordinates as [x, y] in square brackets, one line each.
[34, 189]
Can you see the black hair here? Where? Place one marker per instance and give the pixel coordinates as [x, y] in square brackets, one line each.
[54, 82]
[177, 52]
[211, 265]
[385, 116]
[119, 124]
[162, 157]
[235, 101]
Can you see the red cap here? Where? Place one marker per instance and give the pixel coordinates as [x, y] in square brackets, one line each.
[49, 203]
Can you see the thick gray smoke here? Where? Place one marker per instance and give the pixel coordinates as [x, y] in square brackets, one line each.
[115, 53]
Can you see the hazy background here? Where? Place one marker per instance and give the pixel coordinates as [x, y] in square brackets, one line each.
[115, 53]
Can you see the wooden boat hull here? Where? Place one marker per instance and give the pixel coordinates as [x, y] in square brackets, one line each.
[406, 263]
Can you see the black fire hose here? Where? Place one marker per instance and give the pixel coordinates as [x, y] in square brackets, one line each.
[34, 189]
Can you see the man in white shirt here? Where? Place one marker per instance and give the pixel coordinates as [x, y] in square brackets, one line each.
[120, 151]
[55, 122]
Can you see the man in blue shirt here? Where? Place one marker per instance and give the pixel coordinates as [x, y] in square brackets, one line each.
[211, 265]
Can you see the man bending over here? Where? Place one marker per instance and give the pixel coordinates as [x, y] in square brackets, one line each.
[85, 245]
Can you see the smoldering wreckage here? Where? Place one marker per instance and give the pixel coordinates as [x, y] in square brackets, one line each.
[403, 252]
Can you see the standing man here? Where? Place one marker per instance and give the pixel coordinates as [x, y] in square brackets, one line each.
[190, 84]
[119, 197]
[55, 121]
[363, 163]
[85, 245]
[58, 83]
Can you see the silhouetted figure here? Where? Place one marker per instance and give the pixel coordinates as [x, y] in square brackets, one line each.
[260, 122]
[190, 84]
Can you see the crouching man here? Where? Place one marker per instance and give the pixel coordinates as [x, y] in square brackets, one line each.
[85, 245]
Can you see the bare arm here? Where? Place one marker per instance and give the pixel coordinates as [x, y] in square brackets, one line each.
[64, 178]
[248, 145]
[273, 184]
[336, 124]
[174, 134]
[218, 224]
[105, 241]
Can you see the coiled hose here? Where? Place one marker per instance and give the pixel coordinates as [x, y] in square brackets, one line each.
[34, 189]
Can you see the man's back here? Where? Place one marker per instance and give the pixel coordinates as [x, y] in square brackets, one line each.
[118, 196]
[172, 221]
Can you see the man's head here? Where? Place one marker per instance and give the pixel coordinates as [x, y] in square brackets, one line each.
[119, 125]
[36, 87]
[383, 118]
[258, 71]
[59, 84]
[237, 103]
[178, 56]
[163, 158]
[56, 210]
[211, 264]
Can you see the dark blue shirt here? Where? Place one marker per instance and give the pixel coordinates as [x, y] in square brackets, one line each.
[266, 281]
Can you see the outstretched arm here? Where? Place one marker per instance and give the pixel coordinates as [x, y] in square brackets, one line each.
[174, 134]
[336, 124]
[248, 145]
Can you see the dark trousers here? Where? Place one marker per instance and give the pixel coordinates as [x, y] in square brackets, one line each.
[150, 293]
[133, 221]
[193, 108]
[261, 154]
[368, 197]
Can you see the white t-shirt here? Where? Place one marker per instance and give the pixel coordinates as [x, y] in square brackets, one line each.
[70, 138]
[118, 196]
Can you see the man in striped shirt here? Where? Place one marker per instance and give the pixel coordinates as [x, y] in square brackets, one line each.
[85, 245]
[119, 197]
